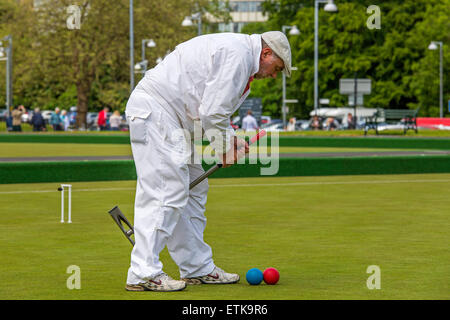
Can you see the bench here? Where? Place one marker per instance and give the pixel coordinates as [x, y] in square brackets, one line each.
[407, 117]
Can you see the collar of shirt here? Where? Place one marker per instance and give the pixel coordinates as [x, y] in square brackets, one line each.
[247, 87]
[255, 40]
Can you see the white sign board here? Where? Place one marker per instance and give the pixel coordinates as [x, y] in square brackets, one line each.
[347, 86]
[359, 100]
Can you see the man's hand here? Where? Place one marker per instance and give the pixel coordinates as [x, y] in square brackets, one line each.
[239, 148]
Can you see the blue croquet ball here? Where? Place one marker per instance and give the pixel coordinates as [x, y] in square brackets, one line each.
[254, 276]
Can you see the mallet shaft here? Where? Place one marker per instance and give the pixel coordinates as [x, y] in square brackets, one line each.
[213, 169]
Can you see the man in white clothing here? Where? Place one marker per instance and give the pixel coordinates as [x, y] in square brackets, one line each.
[204, 80]
[249, 122]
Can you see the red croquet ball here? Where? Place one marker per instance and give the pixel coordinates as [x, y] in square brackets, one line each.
[271, 276]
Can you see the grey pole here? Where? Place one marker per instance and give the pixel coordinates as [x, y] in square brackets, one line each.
[9, 82]
[143, 49]
[283, 105]
[10, 72]
[144, 65]
[131, 47]
[441, 82]
[355, 100]
[316, 47]
[199, 23]
[144, 61]
[316, 55]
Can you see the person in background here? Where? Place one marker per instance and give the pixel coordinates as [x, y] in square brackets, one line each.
[350, 122]
[65, 121]
[315, 123]
[102, 117]
[115, 120]
[37, 121]
[249, 122]
[55, 120]
[331, 124]
[291, 125]
[73, 116]
[17, 118]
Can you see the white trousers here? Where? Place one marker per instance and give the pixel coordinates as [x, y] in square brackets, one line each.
[166, 212]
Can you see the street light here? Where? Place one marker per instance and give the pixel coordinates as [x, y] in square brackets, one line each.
[294, 32]
[149, 43]
[433, 46]
[131, 47]
[329, 7]
[141, 66]
[8, 51]
[187, 22]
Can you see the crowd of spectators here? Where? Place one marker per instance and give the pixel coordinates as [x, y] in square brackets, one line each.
[331, 123]
[59, 120]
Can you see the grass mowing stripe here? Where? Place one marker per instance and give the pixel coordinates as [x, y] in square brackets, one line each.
[253, 185]
[79, 190]
[327, 183]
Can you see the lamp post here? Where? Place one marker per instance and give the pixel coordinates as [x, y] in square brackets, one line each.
[294, 32]
[187, 22]
[131, 47]
[9, 85]
[141, 66]
[329, 7]
[433, 46]
[150, 44]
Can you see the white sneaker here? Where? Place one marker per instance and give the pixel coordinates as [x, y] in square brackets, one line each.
[218, 276]
[162, 283]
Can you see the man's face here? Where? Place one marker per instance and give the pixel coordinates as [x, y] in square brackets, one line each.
[269, 64]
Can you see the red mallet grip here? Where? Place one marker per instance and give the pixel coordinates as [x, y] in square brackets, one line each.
[260, 134]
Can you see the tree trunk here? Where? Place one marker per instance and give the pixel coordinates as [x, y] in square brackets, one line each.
[82, 105]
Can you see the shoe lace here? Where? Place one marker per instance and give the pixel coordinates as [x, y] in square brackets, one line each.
[218, 270]
[162, 276]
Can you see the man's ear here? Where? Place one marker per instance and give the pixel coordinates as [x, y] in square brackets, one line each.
[266, 52]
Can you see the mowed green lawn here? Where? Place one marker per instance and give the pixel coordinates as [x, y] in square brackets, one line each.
[11, 150]
[321, 233]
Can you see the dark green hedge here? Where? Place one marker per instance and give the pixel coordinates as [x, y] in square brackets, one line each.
[32, 172]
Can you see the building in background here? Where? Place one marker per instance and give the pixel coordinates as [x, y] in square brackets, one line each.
[242, 12]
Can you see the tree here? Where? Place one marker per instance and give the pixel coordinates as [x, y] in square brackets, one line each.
[88, 64]
[395, 57]
[423, 82]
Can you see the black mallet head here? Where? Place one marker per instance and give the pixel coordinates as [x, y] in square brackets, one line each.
[60, 189]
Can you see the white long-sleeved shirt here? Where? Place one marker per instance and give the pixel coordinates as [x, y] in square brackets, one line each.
[204, 79]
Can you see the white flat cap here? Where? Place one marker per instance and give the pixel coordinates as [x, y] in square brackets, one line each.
[278, 42]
